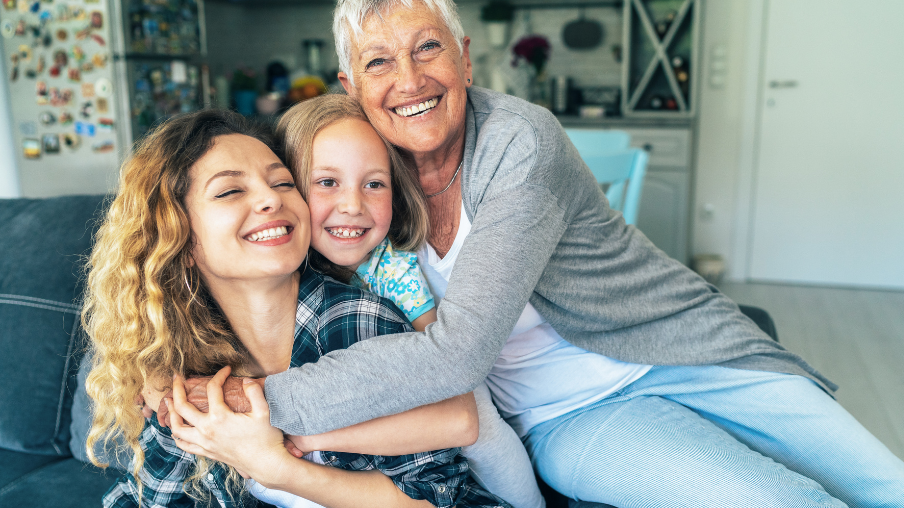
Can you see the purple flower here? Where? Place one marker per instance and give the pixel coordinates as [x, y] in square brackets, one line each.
[534, 49]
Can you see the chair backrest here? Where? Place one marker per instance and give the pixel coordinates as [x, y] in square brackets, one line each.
[612, 163]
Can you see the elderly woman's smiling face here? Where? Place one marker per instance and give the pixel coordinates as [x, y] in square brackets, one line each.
[411, 78]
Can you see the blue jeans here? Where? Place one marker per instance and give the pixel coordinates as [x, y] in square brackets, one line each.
[713, 436]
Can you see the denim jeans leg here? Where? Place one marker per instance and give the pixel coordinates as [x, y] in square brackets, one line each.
[790, 419]
[648, 451]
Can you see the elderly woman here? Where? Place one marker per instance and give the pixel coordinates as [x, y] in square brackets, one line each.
[630, 380]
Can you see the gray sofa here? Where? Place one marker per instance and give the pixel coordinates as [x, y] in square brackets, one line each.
[42, 244]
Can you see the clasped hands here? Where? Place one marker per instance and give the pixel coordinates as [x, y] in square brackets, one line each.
[225, 419]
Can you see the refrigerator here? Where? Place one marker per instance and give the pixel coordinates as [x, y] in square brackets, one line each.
[88, 78]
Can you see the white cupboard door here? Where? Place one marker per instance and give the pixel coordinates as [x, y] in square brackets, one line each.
[829, 191]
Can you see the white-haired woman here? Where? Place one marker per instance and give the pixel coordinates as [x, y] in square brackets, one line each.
[630, 379]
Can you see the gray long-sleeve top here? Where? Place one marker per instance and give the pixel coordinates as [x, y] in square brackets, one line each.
[542, 232]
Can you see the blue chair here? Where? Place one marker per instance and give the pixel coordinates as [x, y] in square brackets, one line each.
[614, 165]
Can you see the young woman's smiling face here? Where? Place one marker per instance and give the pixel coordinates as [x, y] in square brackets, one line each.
[248, 220]
[351, 194]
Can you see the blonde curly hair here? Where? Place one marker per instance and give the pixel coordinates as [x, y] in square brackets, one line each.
[147, 311]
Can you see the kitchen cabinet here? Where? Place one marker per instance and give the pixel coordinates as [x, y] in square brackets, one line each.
[664, 214]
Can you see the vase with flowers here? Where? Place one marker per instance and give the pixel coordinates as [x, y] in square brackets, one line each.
[534, 50]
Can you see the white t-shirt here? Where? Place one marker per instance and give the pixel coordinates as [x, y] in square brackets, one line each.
[282, 499]
[538, 375]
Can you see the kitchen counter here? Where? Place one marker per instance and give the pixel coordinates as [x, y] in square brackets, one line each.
[621, 122]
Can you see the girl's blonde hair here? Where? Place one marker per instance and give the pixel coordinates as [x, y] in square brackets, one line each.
[147, 311]
[296, 132]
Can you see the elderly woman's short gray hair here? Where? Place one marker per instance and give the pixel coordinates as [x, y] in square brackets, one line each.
[349, 17]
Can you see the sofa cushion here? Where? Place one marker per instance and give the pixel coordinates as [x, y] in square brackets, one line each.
[43, 245]
[63, 483]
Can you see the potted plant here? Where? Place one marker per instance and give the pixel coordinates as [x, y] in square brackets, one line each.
[244, 90]
[498, 16]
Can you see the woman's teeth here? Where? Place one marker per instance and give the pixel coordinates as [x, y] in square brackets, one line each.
[269, 234]
[420, 108]
[345, 232]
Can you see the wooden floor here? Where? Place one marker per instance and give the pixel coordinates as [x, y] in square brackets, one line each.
[854, 337]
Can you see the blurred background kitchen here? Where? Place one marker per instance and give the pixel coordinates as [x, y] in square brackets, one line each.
[773, 127]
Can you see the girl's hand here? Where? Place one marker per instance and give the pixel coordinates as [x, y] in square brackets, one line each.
[245, 441]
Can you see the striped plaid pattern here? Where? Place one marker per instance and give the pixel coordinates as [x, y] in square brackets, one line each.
[329, 316]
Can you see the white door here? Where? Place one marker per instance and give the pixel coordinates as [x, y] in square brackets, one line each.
[829, 189]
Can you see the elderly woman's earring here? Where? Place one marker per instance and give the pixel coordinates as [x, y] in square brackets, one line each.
[469, 81]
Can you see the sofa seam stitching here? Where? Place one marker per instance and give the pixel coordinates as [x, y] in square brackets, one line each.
[65, 381]
[40, 300]
[61, 307]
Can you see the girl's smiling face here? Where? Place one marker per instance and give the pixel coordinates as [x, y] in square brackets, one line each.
[248, 220]
[350, 197]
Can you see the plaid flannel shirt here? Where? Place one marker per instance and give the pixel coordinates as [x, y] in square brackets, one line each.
[329, 316]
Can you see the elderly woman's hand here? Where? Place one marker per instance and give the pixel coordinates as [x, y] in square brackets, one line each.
[196, 390]
[245, 441]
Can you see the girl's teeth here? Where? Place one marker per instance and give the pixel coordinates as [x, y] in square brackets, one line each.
[269, 234]
[345, 232]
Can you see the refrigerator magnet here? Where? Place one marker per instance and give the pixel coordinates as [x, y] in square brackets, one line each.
[97, 20]
[9, 5]
[85, 129]
[99, 40]
[78, 13]
[103, 107]
[7, 29]
[103, 87]
[47, 119]
[87, 66]
[23, 6]
[86, 110]
[45, 17]
[34, 7]
[54, 71]
[63, 12]
[78, 54]
[60, 58]
[102, 147]
[42, 93]
[14, 74]
[20, 28]
[100, 60]
[75, 75]
[31, 148]
[65, 118]
[62, 35]
[87, 90]
[42, 62]
[105, 123]
[25, 53]
[50, 143]
[71, 141]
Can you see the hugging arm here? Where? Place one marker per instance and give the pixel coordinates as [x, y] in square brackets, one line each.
[255, 448]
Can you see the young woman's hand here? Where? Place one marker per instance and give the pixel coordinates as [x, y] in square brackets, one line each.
[245, 441]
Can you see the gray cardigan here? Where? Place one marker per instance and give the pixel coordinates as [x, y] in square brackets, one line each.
[542, 232]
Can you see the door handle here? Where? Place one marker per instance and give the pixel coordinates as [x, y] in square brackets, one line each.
[783, 84]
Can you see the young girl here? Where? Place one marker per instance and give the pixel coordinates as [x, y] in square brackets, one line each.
[366, 207]
[198, 267]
